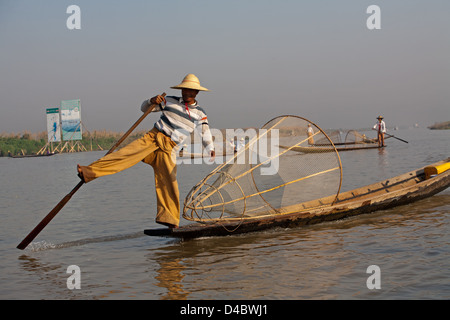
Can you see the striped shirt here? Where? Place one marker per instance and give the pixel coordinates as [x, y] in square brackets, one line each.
[178, 120]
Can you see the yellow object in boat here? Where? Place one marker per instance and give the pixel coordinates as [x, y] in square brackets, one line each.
[433, 170]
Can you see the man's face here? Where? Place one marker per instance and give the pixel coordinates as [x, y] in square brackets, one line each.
[189, 95]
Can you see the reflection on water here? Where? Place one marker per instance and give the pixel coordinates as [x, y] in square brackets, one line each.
[170, 275]
[100, 230]
[323, 261]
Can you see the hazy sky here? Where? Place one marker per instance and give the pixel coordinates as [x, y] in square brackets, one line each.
[260, 59]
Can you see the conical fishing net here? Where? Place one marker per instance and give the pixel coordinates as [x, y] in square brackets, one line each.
[330, 135]
[269, 176]
[354, 137]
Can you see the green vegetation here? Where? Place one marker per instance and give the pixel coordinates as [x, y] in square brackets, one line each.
[14, 144]
[27, 143]
[440, 126]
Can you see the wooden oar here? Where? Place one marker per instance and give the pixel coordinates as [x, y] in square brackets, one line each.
[33, 234]
[389, 135]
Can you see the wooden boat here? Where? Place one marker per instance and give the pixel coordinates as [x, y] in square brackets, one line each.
[314, 149]
[400, 190]
[198, 155]
[342, 144]
[32, 155]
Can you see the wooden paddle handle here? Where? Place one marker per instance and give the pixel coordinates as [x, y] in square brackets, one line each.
[389, 135]
[150, 109]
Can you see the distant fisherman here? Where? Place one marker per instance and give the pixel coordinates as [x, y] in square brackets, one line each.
[310, 132]
[180, 116]
[380, 127]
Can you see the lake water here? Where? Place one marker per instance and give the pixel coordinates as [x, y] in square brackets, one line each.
[101, 231]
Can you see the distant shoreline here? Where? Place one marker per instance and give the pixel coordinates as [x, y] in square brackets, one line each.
[30, 144]
[440, 126]
[27, 143]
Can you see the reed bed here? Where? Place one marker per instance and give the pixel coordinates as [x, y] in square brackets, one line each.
[30, 143]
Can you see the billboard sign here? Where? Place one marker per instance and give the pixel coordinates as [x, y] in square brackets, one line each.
[71, 120]
[53, 125]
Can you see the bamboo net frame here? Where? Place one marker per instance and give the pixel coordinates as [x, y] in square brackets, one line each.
[238, 191]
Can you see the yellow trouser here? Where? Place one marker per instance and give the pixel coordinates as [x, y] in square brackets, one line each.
[155, 149]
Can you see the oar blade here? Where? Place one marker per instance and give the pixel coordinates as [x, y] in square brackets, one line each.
[33, 234]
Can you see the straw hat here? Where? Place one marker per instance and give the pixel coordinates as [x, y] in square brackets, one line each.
[380, 117]
[190, 82]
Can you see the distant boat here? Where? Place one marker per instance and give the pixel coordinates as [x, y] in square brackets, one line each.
[329, 149]
[32, 155]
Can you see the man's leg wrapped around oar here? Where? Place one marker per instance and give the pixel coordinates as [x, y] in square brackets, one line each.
[155, 149]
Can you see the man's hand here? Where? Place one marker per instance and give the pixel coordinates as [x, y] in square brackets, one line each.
[157, 99]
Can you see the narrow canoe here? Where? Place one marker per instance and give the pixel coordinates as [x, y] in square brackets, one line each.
[400, 190]
[33, 155]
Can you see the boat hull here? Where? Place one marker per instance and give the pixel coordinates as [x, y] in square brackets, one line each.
[33, 155]
[400, 190]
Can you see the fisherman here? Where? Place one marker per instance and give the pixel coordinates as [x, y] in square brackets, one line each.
[180, 117]
[233, 145]
[240, 145]
[380, 127]
[310, 132]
